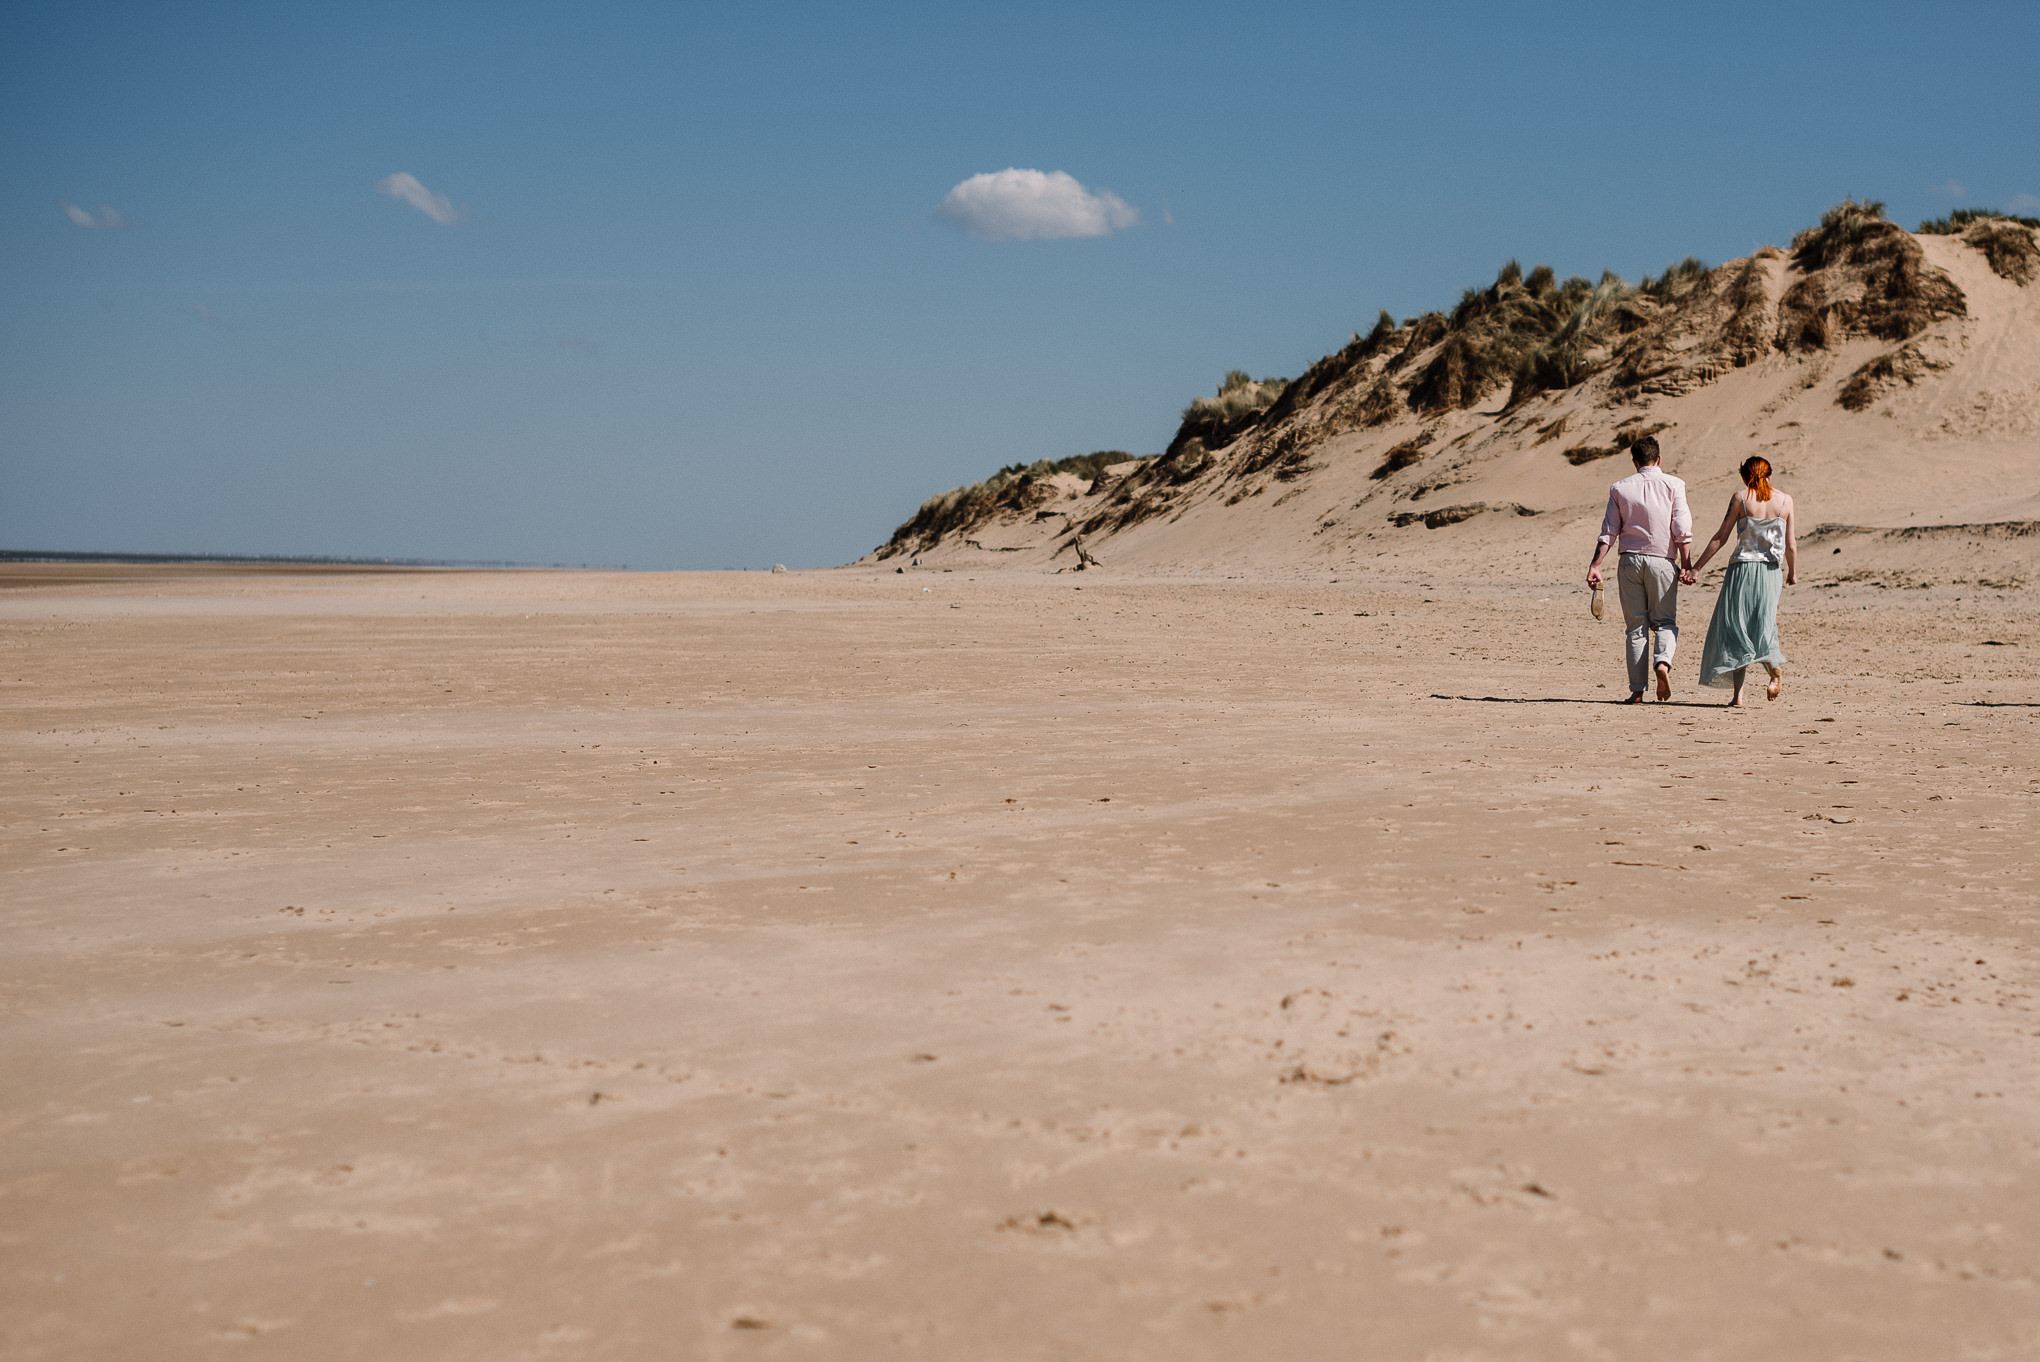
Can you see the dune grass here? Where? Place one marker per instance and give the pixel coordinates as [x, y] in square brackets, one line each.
[1956, 222]
[1218, 420]
[1905, 365]
[1239, 394]
[1492, 333]
[1840, 228]
[2007, 243]
[1676, 282]
[1565, 359]
[1015, 488]
[1086, 466]
[1409, 452]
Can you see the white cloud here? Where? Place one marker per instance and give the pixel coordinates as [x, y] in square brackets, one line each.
[404, 187]
[1953, 189]
[1034, 205]
[109, 219]
[2024, 203]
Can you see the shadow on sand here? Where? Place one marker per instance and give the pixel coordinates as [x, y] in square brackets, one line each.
[1574, 700]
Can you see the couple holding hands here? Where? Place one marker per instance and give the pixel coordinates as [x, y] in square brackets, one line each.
[1647, 523]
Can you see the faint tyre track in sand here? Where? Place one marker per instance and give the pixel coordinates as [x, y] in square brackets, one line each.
[569, 965]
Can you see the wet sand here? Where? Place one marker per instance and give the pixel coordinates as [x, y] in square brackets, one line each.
[859, 965]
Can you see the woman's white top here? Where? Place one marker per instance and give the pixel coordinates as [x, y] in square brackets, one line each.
[1760, 539]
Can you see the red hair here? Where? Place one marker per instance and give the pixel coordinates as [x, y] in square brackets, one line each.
[1756, 474]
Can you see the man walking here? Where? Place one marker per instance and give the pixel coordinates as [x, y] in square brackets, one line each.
[1647, 522]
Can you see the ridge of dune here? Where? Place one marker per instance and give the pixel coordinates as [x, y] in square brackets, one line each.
[1893, 380]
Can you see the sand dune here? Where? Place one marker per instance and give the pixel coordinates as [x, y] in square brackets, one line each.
[1893, 383]
[949, 964]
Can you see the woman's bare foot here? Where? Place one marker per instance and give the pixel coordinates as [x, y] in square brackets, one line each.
[1777, 684]
[1664, 681]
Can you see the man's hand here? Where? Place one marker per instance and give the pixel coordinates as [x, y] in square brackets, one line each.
[1791, 578]
[1687, 576]
[1593, 576]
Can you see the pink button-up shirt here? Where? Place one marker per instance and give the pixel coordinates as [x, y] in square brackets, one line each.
[1647, 513]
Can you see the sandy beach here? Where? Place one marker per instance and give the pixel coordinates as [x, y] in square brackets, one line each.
[867, 964]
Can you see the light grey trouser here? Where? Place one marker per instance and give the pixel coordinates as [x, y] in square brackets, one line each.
[1649, 587]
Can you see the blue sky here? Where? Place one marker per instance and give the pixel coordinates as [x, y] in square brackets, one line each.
[707, 291]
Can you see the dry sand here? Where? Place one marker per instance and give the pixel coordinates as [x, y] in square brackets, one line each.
[491, 965]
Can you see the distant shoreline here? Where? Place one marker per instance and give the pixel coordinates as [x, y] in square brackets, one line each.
[257, 560]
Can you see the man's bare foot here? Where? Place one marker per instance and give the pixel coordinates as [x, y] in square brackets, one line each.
[1664, 681]
[1635, 698]
[1777, 684]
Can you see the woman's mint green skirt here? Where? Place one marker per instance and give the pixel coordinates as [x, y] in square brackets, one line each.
[1744, 630]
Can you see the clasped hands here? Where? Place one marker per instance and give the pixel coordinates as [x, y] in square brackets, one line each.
[1687, 576]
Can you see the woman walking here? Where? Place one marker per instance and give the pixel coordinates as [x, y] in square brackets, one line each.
[1744, 630]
